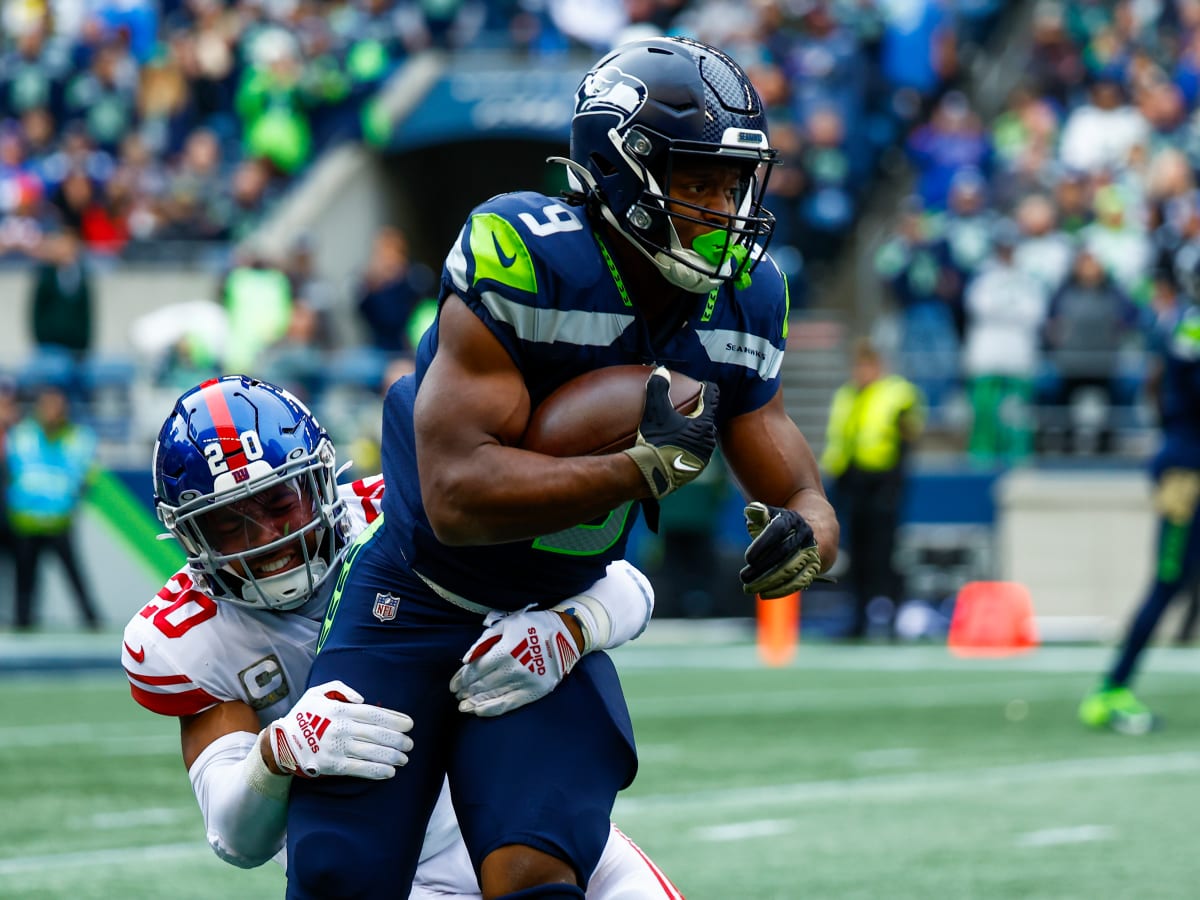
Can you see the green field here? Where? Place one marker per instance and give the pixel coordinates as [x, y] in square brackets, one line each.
[871, 772]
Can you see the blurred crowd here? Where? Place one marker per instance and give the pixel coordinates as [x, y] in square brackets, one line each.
[1042, 243]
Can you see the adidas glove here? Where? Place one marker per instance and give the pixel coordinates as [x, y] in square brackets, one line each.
[782, 557]
[672, 449]
[330, 731]
[520, 657]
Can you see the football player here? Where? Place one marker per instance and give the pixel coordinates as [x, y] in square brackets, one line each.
[245, 480]
[656, 257]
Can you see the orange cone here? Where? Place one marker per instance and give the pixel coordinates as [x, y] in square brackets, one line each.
[778, 629]
[992, 618]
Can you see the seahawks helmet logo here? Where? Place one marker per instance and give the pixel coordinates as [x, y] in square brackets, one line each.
[610, 90]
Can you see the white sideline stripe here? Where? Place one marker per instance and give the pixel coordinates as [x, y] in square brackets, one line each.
[934, 658]
[94, 858]
[742, 831]
[905, 786]
[1076, 834]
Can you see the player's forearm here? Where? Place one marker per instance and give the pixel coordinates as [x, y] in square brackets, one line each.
[244, 804]
[504, 494]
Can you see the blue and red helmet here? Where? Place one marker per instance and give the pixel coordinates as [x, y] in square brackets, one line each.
[245, 478]
[643, 110]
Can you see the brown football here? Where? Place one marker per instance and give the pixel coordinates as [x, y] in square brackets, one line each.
[599, 411]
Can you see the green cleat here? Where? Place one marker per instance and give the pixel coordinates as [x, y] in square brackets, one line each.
[1116, 708]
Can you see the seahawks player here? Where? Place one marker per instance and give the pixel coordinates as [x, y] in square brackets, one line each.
[245, 480]
[655, 257]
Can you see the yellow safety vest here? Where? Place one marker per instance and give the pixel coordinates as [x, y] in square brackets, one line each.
[864, 425]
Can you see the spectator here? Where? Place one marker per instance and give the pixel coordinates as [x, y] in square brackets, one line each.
[1088, 320]
[954, 139]
[61, 307]
[1005, 311]
[1043, 251]
[50, 463]
[1119, 241]
[271, 103]
[390, 292]
[874, 421]
[10, 414]
[1101, 133]
[258, 299]
[915, 264]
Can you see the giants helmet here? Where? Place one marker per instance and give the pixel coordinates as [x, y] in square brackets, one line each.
[245, 479]
[641, 110]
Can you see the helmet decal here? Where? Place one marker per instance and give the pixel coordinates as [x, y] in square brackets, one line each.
[608, 89]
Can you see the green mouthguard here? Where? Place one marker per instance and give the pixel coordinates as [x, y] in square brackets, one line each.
[713, 246]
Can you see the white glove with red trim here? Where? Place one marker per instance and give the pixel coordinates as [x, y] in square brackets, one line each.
[330, 731]
[520, 657]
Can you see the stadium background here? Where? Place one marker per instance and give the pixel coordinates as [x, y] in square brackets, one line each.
[865, 771]
[465, 117]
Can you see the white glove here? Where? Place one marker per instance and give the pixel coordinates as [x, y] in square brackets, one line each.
[520, 657]
[330, 731]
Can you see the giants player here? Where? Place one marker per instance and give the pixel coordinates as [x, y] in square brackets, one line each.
[245, 479]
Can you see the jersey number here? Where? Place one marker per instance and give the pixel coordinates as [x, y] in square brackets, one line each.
[176, 618]
[558, 218]
[215, 453]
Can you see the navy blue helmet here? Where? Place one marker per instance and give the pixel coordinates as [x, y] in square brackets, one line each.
[645, 109]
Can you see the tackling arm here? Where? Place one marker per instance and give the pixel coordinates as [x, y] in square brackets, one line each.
[478, 487]
[243, 801]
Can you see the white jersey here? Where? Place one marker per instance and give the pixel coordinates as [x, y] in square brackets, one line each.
[185, 652]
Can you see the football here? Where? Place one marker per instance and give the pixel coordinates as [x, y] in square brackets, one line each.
[599, 411]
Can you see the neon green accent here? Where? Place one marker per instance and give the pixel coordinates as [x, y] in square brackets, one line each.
[715, 248]
[133, 525]
[710, 304]
[612, 270]
[336, 599]
[500, 254]
[420, 319]
[787, 306]
[587, 540]
[1116, 707]
[1171, 551]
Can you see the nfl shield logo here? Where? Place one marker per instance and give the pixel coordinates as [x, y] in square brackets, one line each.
[385, 607]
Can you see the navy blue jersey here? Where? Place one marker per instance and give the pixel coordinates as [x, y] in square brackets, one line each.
[1180, 398]
[534, 272]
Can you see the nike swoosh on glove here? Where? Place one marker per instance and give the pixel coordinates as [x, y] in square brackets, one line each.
[330, 731]
[519, 658]
[783, 556]
[671, 448]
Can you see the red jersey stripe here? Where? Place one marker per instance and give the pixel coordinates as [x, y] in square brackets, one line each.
[669, 889]
[189, 703]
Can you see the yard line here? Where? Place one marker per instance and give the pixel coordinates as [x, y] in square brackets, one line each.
[923, 658]
[134, 818]
[1076, 834]
[94, 858]
[955, 692]
[741, 831]
[65, 734]
[905, 786]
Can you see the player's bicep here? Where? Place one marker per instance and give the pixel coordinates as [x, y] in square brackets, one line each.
[472, 393]
[198, 731]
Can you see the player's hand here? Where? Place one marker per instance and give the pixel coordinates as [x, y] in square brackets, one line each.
[672, 449]
[520, 657]
[330, 731]
[782, 557]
